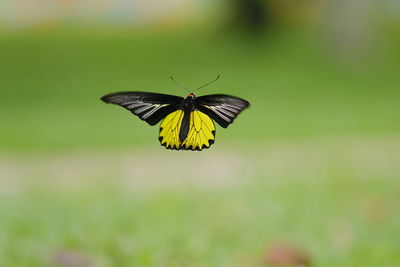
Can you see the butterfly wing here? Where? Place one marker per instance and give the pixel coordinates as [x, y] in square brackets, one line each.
[169, 130]
[200, 133]
[221, 108]
[149, 107]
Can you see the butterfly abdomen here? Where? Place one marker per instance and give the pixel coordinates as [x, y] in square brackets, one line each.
[185, 126]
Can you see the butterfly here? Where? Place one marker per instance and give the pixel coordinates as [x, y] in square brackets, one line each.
[187, 123]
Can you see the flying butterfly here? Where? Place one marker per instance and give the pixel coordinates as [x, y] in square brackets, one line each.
[187, 123]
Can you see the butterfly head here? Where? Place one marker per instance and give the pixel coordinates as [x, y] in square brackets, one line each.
[191, 95]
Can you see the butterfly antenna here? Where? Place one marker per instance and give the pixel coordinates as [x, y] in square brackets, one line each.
[179, 84]
[208, 83]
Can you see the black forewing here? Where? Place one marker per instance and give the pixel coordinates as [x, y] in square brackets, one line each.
[149, 107]
[221, 108]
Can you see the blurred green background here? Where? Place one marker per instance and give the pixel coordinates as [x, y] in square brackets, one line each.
[313, 164]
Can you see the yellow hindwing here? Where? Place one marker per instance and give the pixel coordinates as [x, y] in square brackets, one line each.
[169, 130]
[201, 132]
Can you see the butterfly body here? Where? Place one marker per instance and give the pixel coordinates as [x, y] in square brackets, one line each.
[188, 106]
[187, 123]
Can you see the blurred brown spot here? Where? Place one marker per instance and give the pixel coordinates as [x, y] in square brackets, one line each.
[285, 254]
[377, 209]
[68, 258]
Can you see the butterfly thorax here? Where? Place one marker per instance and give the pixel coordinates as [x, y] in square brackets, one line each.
[188, 104]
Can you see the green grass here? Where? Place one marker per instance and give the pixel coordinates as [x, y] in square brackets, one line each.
[334, 201]
[313, 162]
